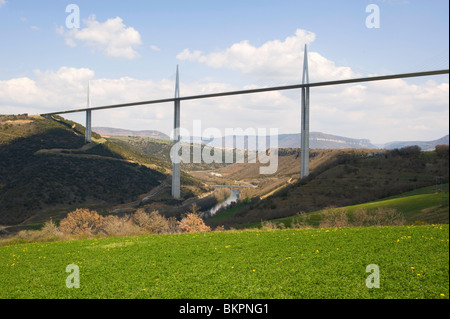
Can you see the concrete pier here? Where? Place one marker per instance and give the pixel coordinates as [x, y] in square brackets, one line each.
[88, 134]
[176, 183]
[304, 158]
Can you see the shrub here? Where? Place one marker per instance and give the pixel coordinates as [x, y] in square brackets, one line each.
[50, 231]
[221, 194]
[334, 217]
[388, 217]
[27, 235]
[413, 150]
[193, 223]
[153, 222]
[442, 151]
[120, 226]
[81, 221]
[300, 221]
[378, 217]
[173, 225]
[268, 225]
[360, 218]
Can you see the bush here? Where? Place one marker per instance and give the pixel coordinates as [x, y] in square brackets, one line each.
[153, 222]
[300, 221]
[81, 221]
[334, 218]
[442, 151]
[268, 225]
[193, 223]
[28, 235]
[378, 217]
[221, 194]
[50, 231]
[388, 217]
[173, 225]
[120, 226]
[413, 150]
[360, 218]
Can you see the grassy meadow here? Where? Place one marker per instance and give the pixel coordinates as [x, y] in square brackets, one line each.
[289, 263]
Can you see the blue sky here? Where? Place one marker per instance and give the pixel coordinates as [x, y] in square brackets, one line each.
[129, 51]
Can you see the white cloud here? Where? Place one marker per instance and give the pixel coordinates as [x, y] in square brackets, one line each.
[112, 37]
[2, 2]
[276, 60]
[48, 90]
[380, 111]
[155, 48]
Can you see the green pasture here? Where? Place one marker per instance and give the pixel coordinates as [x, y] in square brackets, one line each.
[413, 262]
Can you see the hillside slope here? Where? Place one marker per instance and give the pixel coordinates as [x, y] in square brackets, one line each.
[348, 177]
[38, 181]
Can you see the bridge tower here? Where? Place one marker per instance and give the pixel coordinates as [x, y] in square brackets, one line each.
[88, 117]
[176, 183]
[304, 158]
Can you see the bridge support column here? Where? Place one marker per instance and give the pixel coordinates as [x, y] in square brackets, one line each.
[176, 183]
[304, 158]
[88, 133]
[88, 127]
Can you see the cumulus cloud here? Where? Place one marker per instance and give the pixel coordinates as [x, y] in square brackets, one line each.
[276, 60]
[48, 89]
[112, 37]
[380, 111]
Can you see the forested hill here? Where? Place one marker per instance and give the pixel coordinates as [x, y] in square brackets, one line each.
[45, 168]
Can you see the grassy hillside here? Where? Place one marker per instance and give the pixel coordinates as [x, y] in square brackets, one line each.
[423, 205]
[44, 170]
[308, 263]
[350, 177]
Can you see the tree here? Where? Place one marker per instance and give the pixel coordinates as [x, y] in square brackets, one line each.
[193, 223]
[81, 221]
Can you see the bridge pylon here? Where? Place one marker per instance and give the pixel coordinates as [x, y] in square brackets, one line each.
[88, 134]
[176, 183]
[304, 147]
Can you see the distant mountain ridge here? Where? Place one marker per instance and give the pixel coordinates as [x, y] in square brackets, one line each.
[317, 140]
[109, 131]
[425, 146]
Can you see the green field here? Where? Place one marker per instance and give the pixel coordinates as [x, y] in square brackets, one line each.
[294, 263]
